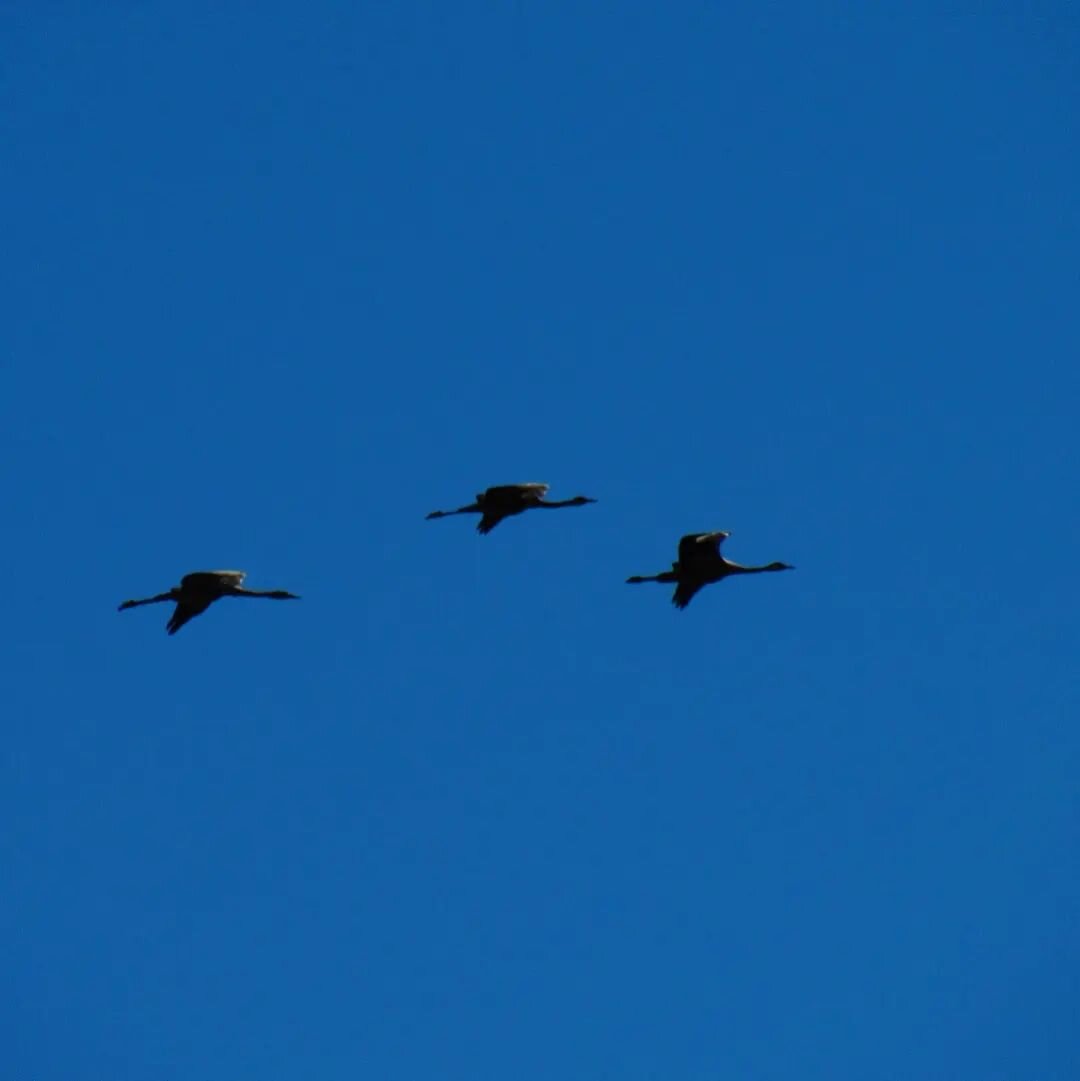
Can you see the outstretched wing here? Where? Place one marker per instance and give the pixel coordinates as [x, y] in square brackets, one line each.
[488, 522]
[514, 493]
[186, 610]
[695, 543]
[212, 579]
[684, 592]
[696, 547]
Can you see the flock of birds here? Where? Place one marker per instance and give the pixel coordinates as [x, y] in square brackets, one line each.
[699, 564]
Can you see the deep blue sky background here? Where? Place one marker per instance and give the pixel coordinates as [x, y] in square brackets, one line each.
[278, 280]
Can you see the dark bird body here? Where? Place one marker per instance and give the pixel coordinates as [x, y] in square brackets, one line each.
[506, 500]
[700, 564]
[198, 590]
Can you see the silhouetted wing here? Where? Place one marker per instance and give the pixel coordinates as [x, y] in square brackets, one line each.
[515, 493]
[688, 547]
[684, 593]
[695, 545]
[488, 522]
[184, 611]
[211, 580]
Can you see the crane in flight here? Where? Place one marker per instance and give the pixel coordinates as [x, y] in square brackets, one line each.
[198, 590]
[700, 564]
[505, 500]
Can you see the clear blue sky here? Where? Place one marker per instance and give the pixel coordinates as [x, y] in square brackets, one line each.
[278, 280]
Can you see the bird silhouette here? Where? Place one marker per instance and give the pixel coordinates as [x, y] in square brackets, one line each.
[700, 563]
[505, 500]
[198, 590]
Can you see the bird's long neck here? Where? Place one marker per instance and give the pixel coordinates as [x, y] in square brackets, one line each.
[738, 568]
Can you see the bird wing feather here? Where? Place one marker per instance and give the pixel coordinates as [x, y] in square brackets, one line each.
[516, 492]
[694, 545]
[684, 593]
[202, 579]
[186, 610]
[233, 578]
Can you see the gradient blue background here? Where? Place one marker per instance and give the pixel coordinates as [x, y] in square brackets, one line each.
[278, 280]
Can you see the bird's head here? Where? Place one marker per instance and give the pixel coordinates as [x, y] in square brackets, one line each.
[282, 595]
[581, 500]
[779, 567]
